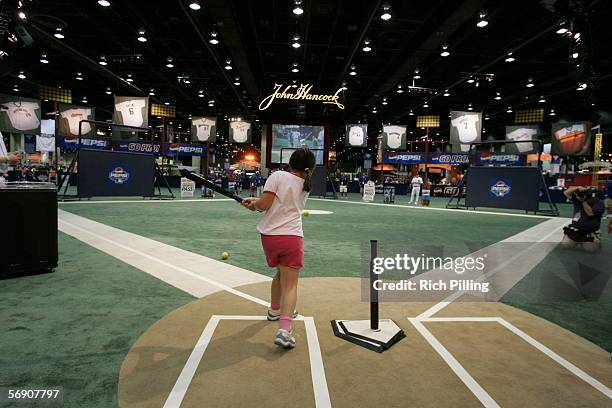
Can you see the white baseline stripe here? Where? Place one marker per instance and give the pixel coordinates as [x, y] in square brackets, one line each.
[436, 209]
[169, 265]
[454, 365]
[182, 383]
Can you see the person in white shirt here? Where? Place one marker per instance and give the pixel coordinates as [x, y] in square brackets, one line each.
[416, 183]
[22, 114]
[283, 200]
[6, 157]
[131, 112]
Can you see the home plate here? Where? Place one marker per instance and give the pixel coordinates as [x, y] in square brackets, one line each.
[319, 212]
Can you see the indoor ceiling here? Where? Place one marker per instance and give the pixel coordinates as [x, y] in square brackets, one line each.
[255, 38]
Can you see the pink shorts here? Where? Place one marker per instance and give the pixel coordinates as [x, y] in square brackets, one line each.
[283, 250]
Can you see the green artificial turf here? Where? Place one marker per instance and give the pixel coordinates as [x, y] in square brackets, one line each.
[72, 328]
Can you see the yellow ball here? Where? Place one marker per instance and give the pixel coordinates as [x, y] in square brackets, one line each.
[224, 255]
[305, 213]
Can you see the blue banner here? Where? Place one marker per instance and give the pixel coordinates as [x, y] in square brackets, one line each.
[404, 157]
[184, 149]
[86, 142]
[137, 147]
[497, 158]
[449, 158]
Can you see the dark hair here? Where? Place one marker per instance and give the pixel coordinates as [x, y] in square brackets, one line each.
[303, 160]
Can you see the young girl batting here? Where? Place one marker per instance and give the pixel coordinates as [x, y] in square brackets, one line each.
[283, 200]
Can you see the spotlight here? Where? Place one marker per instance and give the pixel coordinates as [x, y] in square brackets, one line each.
[386, 12]
[470, 107]
[167, 103]
[575, 55]
[16, 88]
[471, 80]
[582, 86]
[195, 5]
[84, 100]
[411, 113]
[237, 81]
[58, 33]
[384, 101]
[21, 75]
[295, 68]
[79, 76]
[416, 74]
[510, 58]
[487, 117]
[152, 92]
[562, 29]
[509, 109]
[445, 52]
[141, 35]
[446, 93]
[399, 88]
[169, 63]
[542, 100]
[297, 7]
[129, 78]
[43, 58]
[426, 105]
[296, 41]
[552, 112]
[366, 45]
[108, 90]
[353, 70]
[529, 83]
[213, 38]
[228, 64]
[104, 3]
[103, 60]
[22, 15]
[482, 20]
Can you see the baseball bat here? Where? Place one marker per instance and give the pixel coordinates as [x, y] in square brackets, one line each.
[199, 179]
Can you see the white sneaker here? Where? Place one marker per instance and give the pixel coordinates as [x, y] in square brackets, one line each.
[274, 315]
[284, 339]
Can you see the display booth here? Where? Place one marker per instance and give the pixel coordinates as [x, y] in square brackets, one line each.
[495, 184]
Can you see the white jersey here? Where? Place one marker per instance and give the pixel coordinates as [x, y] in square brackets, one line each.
[466, 129]
[356, 136]
[74, 117]
[3, 153]
[45, 143]
[523, 134]
[23, 114]
[131, 112]
[240, 131]
[203, 128]
[416, 181]
[284, 217]
[394, 135]
[568, 131]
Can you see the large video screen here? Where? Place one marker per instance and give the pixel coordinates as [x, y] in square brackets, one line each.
[287, 138]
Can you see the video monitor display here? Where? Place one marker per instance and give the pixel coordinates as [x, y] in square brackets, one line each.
[290, 137]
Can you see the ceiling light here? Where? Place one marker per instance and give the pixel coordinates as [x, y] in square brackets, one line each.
[411, 113]
[103, 60]
[167, 103]
[416, 74]
[343, 84]
[297, 7]
[129, 78]
[295, 68]
[366, 45]
[542, 100]
[237, 81]
[296, 41]
[169, 62]
[141, 36]
[582, 86]
[353, 70]
[384, 101]
[43, 58]
[509, 109]
[445, 52]
[562, 29]
[552, 112]
[16, 88]
[510, 58]
[104, 3]
[529, 83]
[228, 64]
[84, 99]
[575, 55]
[487, 117]
[195, 5]
[446, 93]
[213, 38]
[399, 88]
[152, 92]
[482, 20]
[108, 90]
[386, 12]
[470, 107]
[21, 75]
[58, 33]
[471, 80]
[79, 77]
[425, 105]
[497, 96]
[22, 15]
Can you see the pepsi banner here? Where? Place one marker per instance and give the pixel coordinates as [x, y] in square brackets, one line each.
[86, 142]
[404, 157]
[503, 187]
[449, 158]
[184, 149]
[489, 159]
[137, 147]
[118, 174]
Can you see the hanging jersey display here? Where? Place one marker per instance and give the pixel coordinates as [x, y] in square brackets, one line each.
[240, 132]
[19, 114]
[204, 129]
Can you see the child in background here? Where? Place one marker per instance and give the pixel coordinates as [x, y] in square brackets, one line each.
[283, 200]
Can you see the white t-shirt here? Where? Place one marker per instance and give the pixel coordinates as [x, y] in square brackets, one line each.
[203, 127]
[240, 131]
[3, 153]
[45, 143]
[284, 217]
[74, 117]
[23, 114]
[394, 135]
[356, 136]
[521, 134]
[466, 129]
[416, 181]
[131, 112]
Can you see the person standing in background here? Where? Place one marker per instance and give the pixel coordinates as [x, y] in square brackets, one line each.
[416, 183]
